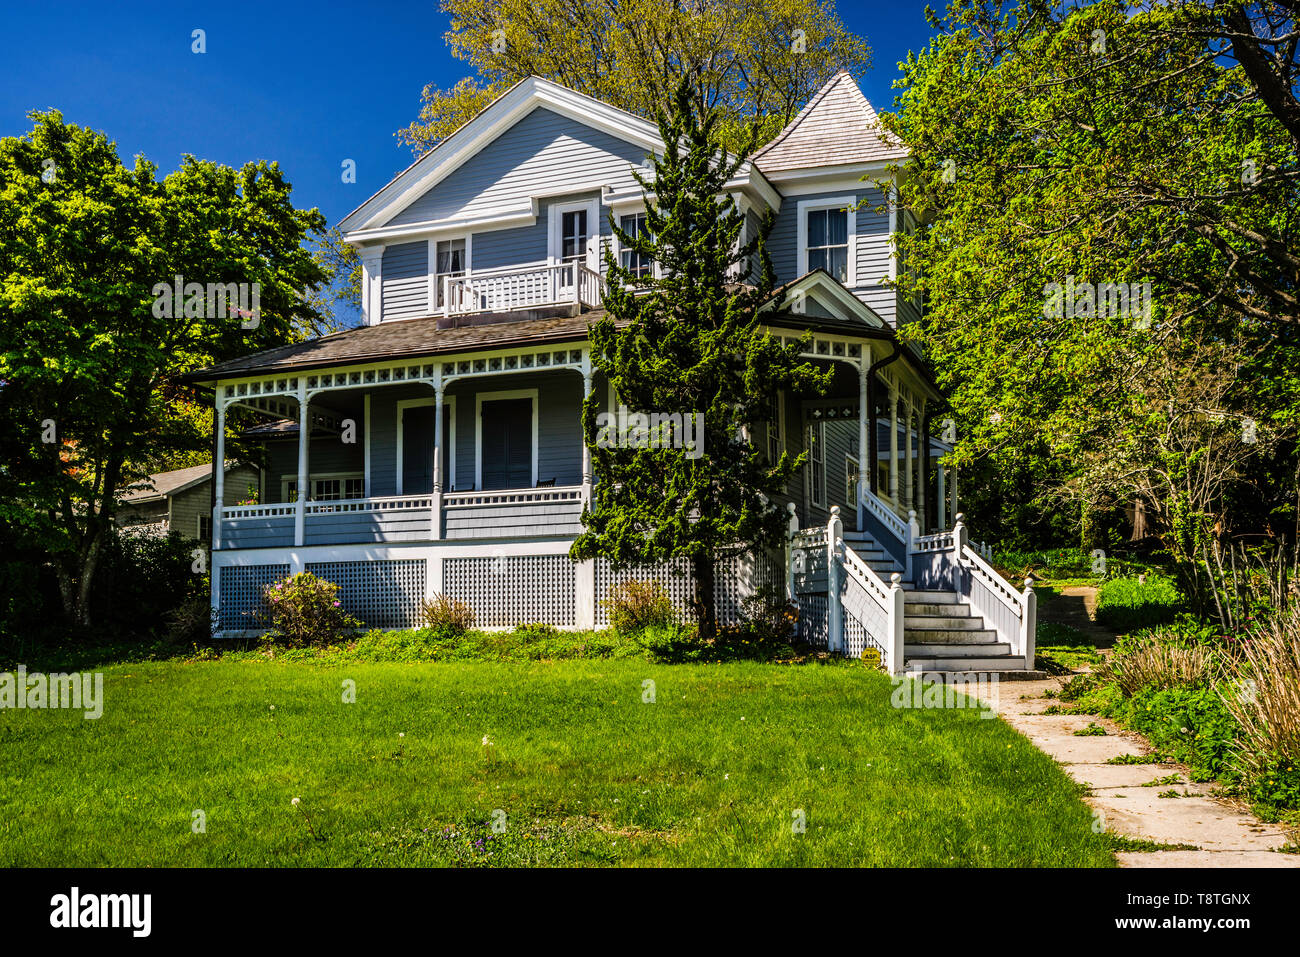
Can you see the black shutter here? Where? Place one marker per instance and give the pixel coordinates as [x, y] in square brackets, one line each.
[507, 443]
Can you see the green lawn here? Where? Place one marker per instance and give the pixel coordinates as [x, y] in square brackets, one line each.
[711, 773]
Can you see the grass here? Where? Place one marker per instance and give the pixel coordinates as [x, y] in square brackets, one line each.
[719, 770]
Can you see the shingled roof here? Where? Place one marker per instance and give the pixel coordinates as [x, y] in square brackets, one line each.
[401, 338]
[836, 127]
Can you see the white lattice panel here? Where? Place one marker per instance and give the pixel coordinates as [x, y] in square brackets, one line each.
[380, 594]
[813, 620]
[509, 590]
[240, 594]
[735, 580]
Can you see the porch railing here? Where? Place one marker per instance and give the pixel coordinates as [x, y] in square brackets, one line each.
[513, 496]
[503, 290]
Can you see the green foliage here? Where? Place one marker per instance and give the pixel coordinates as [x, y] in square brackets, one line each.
[1038, 156]
[303, 610]
[758, 61]
[688, 341]
[1127, 603]
[1190, 725]
[85, 357]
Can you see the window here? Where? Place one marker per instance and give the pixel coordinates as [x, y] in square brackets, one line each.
[851, 473]
[634, 262]
[450, 260]
[817, 463]
[330, 488]
[828, 242]
[573, 236]
[776, 431]
[205, 529]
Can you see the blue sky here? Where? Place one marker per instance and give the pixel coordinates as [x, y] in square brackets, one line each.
[306, 84]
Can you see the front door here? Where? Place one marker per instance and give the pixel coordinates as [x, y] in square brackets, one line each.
[417, 450]
[507, 443]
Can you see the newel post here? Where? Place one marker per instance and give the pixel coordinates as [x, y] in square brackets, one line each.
[792, 529]
[959, 537]
[834, 609]
[897, 618]
[1029, 623]
[913, 533]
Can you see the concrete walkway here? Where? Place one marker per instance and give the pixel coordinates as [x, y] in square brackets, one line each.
[1225, 835]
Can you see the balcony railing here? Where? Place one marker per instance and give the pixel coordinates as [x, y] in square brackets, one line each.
[504, 290]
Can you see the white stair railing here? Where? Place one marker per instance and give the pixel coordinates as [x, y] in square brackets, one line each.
[848, 576]
[1011, 613]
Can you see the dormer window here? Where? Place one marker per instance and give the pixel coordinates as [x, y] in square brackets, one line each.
[826, 237]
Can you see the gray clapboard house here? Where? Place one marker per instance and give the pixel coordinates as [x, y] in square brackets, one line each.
[181, 500]
[437, 448]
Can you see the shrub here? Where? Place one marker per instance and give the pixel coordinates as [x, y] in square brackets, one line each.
[637, 604]
[1129, 603]
[1159, 660]
[447, 616]
[1264, 698]
[769, 617]
[304, 610]
[1192, 725]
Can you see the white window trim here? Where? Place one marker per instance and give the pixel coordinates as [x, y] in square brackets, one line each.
[780, 427]
[198, 522]
[449, 439]
[315, 477]
[479, 398]
[837, 202]
[434, 278]
[554, 221]
[893, 231]
[816, 453]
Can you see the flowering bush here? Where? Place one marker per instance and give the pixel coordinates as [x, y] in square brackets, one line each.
[304, 610]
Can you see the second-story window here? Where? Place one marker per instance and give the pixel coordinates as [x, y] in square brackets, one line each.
[632, 261]
[451, 262]
[573, 236]
[828, 241]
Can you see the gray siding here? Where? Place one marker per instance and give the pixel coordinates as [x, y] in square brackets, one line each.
[543, 152]
[404, 274]
[871, 251]
[187, 506]
[326, 454]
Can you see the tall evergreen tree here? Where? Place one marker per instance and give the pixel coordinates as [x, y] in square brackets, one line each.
[684, 339]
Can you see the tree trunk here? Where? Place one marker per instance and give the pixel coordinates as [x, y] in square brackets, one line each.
[706, 616]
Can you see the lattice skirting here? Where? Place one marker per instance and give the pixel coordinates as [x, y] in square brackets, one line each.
[735, 580]
[814, 621]
[240, 594]
[506, 590]
[380, 594]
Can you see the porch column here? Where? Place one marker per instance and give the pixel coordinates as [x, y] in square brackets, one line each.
[943, 498]
[953, 483]
[304, 434]
[587, 477]
[893, 444]
[923, 465]
[865, 466]
[910, 490]
[436, 518]
[219, 475]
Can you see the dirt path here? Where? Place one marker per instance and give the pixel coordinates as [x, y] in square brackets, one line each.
[1123, 796]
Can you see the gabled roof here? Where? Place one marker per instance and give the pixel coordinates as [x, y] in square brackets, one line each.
[836, 127]
[166, 484]
[484, 127]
